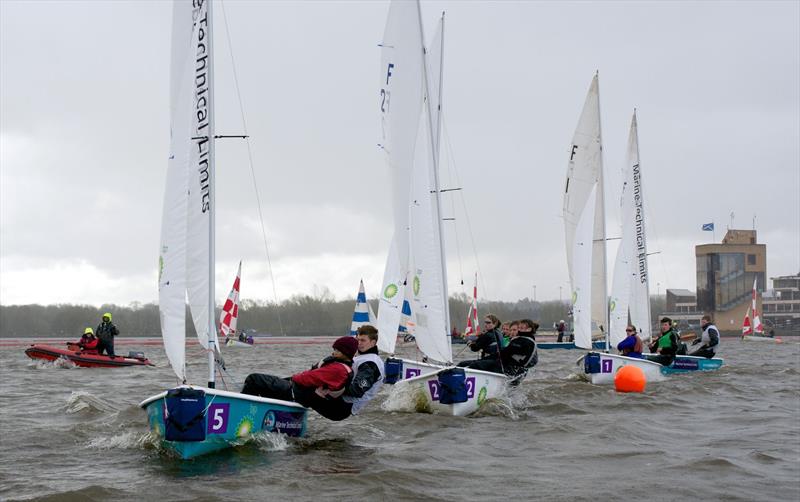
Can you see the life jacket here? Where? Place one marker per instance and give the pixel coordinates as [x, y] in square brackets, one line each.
[360, 402]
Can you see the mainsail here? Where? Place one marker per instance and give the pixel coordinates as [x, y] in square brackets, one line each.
[415, 269]
[401, 92]
[362, 312]
[584, 173]
[230, 311]
[747, 328]
[758, 328]
[630, 289]
[582, 263]
[473, 322]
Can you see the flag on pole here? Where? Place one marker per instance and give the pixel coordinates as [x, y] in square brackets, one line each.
[708, 227]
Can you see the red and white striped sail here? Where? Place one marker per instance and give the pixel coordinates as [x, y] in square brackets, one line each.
[757, 326]
[230, 311]
[473, 324]
[747, 328]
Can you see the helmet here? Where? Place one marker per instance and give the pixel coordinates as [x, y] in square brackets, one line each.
[88, 331]
[107, 314]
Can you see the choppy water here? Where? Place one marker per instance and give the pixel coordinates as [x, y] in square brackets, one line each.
[77, 434]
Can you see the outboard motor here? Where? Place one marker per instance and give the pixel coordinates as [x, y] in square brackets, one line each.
[134, 354]
[591, 363]
[185, 414]
[453, 386]
[393, 369]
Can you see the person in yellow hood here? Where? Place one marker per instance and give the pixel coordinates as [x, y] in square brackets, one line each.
[106, 331]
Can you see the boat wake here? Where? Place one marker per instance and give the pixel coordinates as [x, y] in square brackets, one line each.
[130, 440]
[82, 401]
[41, 364]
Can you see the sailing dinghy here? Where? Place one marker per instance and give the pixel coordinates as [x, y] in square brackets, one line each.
[584, 223]
[193, 419]
[755, 332]
[416, 268]
[229, 317]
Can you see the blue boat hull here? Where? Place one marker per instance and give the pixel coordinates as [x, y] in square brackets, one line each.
[599, 344]
[685, 364]
[224, 419]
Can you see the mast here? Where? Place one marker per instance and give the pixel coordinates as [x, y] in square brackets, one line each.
[601, 190]
[435, 156]
[212, 325]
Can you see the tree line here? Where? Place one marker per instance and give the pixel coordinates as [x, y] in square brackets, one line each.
[300, 315]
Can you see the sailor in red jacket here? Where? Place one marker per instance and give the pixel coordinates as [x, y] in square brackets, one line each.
[328, 376]
[88, 342]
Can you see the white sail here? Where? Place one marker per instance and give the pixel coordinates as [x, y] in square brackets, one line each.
[427, 282]
[630, 291]
[199, 234]
[172, 252]
[401, 92]
[584, 172]
[582, 264]
[435, 54]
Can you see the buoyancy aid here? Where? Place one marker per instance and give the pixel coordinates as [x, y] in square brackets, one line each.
[359, 402]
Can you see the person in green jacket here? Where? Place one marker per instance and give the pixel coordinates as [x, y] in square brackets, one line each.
[665, 347]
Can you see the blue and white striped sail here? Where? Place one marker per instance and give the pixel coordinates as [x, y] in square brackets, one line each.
[362, 314]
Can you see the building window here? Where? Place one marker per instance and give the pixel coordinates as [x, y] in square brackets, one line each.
[751, 259]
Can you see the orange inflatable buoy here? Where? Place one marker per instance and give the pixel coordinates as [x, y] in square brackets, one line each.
[630, 378]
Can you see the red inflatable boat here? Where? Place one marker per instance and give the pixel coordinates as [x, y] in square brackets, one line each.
[85, 359]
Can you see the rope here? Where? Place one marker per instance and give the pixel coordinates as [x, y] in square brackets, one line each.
[252, 170]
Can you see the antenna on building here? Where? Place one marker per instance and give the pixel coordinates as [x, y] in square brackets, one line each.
[754, 221]
[731, 226]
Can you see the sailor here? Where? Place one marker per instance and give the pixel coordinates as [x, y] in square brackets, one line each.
[631, 346]
[709, 339]
[368, 374]
[106, 331]
[330, 374]
[665, 346]
[88, 342]
[521, 354]
[490, 342]
[561, 328]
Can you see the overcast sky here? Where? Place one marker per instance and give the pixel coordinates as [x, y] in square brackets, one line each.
[84, 139]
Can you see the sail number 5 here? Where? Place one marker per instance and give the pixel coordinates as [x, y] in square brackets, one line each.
[218, 418]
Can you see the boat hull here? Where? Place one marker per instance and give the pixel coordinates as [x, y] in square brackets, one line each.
[228, 418]
[397, 368]
[83, 359]
[237, 344]
[686, 364]
[756, 338]
[598, 344]
[429, 390]
[600, 368]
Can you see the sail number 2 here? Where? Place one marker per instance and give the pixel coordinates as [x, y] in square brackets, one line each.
[435, 389]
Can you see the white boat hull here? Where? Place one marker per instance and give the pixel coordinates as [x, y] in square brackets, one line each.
[609, 364]
[236, 343]
[756, 338]
[398, 369]
[427, 391]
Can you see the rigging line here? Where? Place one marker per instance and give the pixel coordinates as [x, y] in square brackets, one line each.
[466, 213]
[252, 169]
[451, 170]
